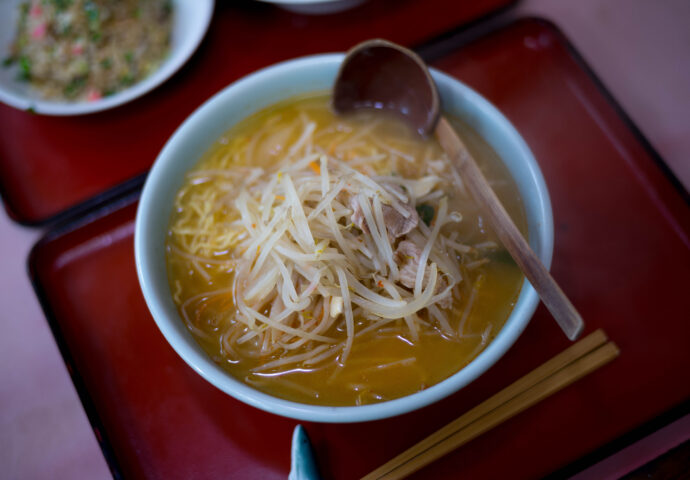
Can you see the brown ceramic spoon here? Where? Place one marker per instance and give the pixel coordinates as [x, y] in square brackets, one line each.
[378, 74]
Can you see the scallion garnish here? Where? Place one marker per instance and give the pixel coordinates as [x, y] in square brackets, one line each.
[426, 213]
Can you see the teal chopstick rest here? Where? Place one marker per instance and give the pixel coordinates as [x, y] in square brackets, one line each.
[302, 457]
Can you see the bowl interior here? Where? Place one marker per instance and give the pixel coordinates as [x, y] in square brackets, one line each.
[191, 19]
[260, 90]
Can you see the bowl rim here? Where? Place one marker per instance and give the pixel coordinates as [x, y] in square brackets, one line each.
[175, 59]
[301, 2]
[517, 321]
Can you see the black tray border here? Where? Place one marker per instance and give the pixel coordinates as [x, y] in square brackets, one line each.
[79, 210]
[128, 192]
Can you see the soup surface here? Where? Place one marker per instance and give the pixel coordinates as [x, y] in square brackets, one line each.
[338, 260]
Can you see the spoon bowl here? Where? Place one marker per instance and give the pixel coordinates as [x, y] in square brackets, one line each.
[370, 78]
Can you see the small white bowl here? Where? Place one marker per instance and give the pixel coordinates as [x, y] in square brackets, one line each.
[266, 87]
[191, 19]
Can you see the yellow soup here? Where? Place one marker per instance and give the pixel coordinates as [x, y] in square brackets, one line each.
[338, 260]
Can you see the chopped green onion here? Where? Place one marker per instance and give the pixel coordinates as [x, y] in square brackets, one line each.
[74, 87]
[106, 63]
[127, 79]
[91, 11]
[426, 213]
[24, 68]
[7, 61]
[62, 4]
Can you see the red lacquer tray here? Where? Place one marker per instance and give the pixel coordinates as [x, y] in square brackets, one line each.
[54, 167]
[621, 253]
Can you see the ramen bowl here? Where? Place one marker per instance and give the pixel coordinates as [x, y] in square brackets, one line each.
[267, 87]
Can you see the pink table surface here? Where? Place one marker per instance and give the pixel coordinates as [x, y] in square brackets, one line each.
[641, 51]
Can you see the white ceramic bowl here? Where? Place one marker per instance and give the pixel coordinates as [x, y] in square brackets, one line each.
[259, 90]
[190, 22]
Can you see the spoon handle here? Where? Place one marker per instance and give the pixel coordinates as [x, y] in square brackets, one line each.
[550, 293]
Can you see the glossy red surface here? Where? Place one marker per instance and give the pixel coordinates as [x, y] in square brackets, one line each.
[49, 164]
[621, 253]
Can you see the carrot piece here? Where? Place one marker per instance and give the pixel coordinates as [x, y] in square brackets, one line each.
[316, 167]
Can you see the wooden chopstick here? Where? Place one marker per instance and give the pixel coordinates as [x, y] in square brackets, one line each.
[568, 366]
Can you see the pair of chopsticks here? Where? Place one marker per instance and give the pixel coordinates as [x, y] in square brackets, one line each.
[565, 368]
